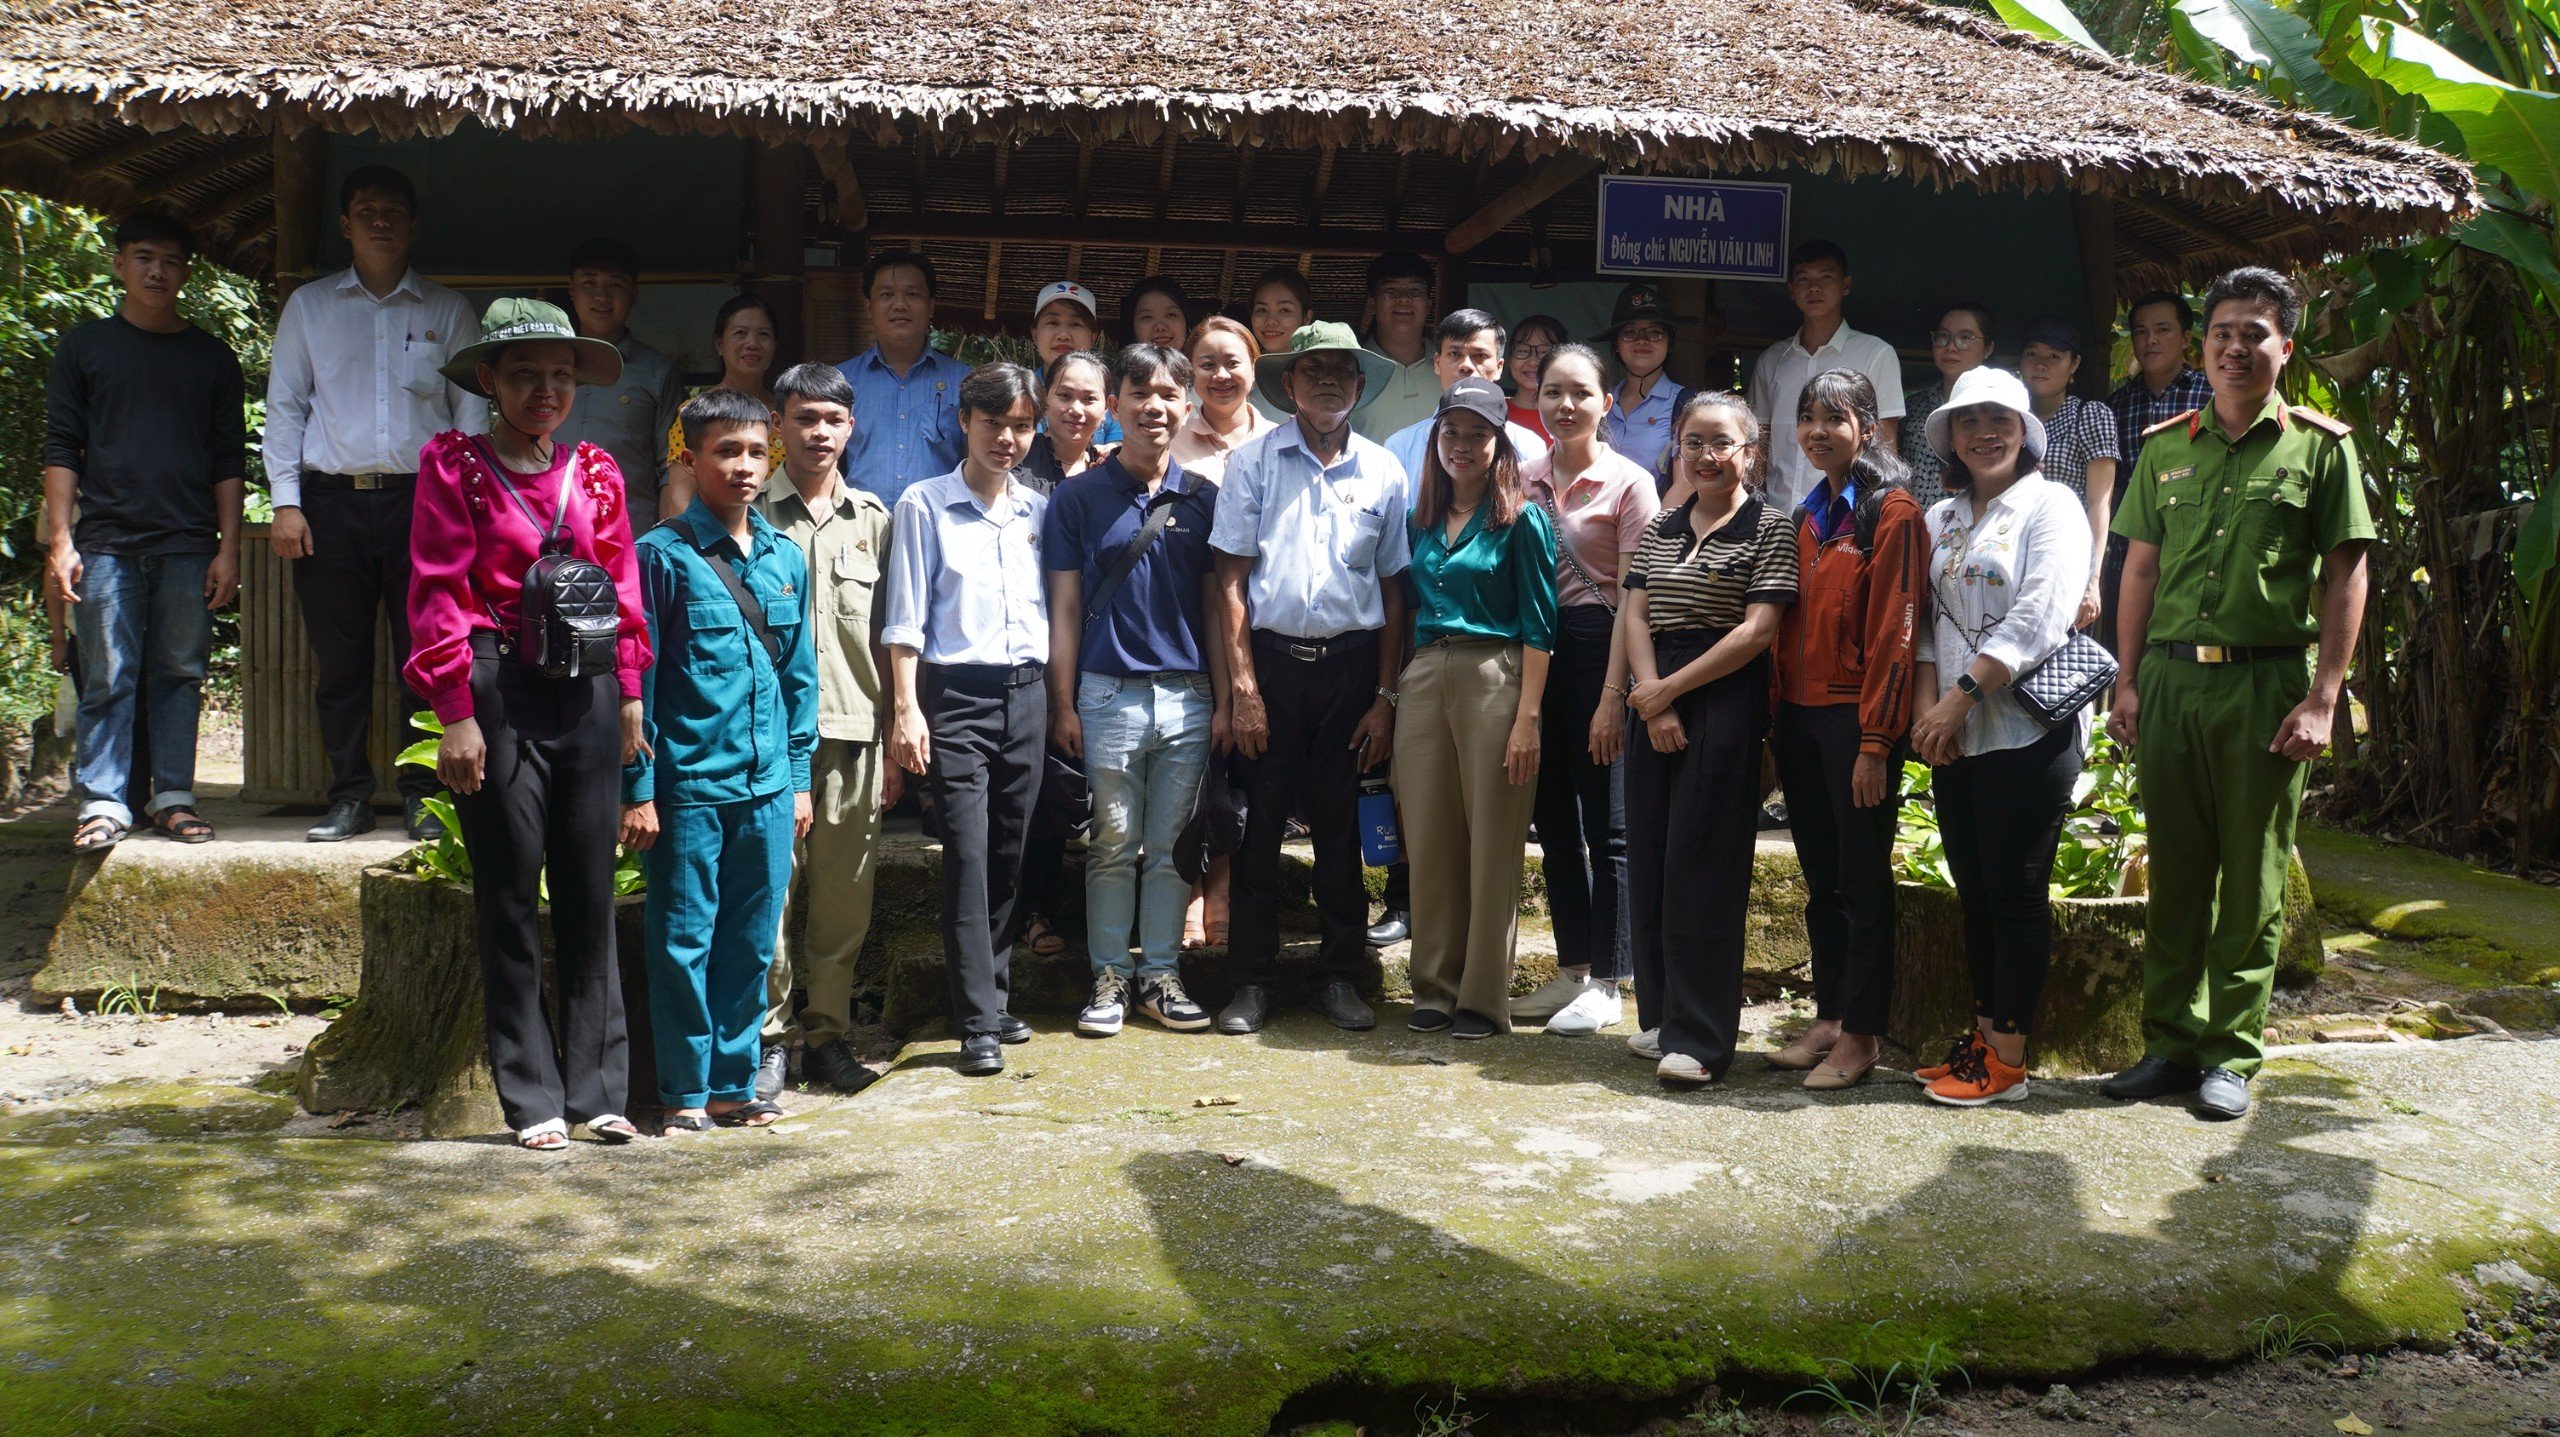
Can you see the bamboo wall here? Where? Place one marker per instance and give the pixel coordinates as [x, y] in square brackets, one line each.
[281, 760]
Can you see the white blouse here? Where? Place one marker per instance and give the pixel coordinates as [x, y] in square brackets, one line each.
[2007, 584]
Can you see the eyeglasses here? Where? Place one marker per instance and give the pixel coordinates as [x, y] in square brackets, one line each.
[1533, 351]
[1645, 334]
[1719, 447]
[1404, 291]
[1953, 339]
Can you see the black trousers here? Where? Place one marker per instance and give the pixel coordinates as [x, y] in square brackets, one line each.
[2000, 815]
[1693, 821]
[358, 567]
[1313, 706]
[1582, 806]
[1846, 853]
[989, 728]
[550, 803]
[2111, 578]
[1063, 809]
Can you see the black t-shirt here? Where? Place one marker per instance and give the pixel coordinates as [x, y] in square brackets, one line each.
[151, 423]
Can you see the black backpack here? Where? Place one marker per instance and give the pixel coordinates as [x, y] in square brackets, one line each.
[569, 615]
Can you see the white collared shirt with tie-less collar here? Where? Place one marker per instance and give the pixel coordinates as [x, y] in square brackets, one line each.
[353, 387]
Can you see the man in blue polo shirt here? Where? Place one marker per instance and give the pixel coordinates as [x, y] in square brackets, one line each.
[906, 393]
[1135, 687]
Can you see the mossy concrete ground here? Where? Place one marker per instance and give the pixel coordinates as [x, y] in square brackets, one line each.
[2457, 924]
[1082, 1247]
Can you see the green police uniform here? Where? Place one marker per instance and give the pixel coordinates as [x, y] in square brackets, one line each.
[2243, 526]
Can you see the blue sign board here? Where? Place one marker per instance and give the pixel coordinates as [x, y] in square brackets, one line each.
[1693, 229]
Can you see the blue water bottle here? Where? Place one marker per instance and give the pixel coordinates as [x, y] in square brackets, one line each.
[1381, 842]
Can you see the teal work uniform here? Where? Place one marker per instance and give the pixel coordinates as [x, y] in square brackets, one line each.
[732, 732]
[2243, 526]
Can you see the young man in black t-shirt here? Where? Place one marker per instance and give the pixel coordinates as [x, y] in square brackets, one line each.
[143, 466]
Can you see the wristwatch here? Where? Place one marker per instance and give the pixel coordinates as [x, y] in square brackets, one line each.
[1388, 694]
[1971, 689]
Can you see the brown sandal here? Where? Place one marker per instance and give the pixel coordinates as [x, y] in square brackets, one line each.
[96, 834]
[183, 823]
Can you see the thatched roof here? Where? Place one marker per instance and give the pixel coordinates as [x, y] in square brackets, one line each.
[1855, 87]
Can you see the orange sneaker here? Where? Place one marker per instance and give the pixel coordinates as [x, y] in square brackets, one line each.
[1980, 1077]
[1963, 1043]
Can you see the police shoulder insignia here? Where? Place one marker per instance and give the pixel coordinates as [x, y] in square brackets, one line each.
[2172, 422]
[2326, 423]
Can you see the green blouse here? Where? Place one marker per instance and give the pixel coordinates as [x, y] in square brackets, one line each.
[1489, 585]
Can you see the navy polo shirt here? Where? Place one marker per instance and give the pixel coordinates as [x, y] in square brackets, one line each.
[1152, 625]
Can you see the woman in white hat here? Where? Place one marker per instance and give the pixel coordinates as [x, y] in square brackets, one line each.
[2008, 562]
[534, 760]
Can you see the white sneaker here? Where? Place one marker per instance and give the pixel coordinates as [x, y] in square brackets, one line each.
[1683, 1069]
[1646, 1045]
[1109, 1010]
[1553, 997]
[1599, 1007]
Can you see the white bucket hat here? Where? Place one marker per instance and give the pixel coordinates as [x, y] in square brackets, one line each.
[1985, 385]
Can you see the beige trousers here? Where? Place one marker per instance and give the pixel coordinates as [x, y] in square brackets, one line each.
[831, 873]
[1465, 824]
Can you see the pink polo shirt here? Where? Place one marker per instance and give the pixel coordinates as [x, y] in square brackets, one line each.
[1601, 518]
[469, 546]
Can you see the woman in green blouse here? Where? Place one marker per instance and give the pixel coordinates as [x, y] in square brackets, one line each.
[1484, 605]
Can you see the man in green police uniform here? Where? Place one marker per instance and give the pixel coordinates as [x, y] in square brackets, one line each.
[2247, 528]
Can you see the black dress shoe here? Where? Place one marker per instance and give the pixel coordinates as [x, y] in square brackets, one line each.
[981, 1055]
[773, 1071]
[1394, 926]
[2222, 1093]
[1340, 1004]
[832, 1064]
[424, 827]
[1247, 1011]
[346, 819]
[1427, 1020]
[1010, 1029]
[1472, 1025]
[2152, 1078]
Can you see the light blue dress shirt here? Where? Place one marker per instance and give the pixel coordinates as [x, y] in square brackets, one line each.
[966, 585]
[1323, 538]
[1644, 432]
[906, 429]
[1407, 445]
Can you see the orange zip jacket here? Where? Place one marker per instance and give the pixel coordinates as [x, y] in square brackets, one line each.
[1848, 637]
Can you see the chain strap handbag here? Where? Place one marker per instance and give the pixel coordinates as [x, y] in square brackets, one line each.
[2058, 686]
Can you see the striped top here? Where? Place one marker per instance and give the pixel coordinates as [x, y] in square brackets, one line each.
[1691, 583]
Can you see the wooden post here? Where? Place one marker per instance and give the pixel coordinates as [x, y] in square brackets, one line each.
[2094, 217]
[299, 167]
[781, 265]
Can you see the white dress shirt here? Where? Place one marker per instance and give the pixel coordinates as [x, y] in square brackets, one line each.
[965, 579]
[1778, 381]
[354, 388]
[1407, 444]
[2007, 584]
[1323, 538]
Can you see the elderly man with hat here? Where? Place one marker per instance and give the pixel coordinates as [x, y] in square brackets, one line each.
[1309, 539]
[2081, 452]
[533, 755]
[1647, 402]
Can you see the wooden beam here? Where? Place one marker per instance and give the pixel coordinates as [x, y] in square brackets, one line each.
[779, 200]
[995, 267]
[1545, 180]
[2202, 229]
[231, 201]
[296, 181]
[130, 149]
[2094, 217]
[1144, 234]
[231, 156]
[853, 212]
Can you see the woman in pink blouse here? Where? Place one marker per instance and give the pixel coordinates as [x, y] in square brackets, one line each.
[534, 762]
[1600, 503]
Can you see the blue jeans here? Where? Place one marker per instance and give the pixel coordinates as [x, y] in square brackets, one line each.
[140, 621]
[1146, 743]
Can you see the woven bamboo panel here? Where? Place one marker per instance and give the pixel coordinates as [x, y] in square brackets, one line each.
[281, 760]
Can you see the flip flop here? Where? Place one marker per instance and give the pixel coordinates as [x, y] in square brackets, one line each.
[613, 1130]
[182, 823]
[97, 833]
[674, 1123]
[757, 1114]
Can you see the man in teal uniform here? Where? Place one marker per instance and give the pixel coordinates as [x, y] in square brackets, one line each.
[2247, 527]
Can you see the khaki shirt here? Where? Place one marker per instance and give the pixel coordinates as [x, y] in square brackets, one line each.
[2243, 524]
[846, 546]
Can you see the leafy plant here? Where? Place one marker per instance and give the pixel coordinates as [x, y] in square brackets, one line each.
[1893, 1401]
[2103, 828]
[449, 858]
[129, 997]
[2280, 1336]
[1920, 853]
[1434, 1419]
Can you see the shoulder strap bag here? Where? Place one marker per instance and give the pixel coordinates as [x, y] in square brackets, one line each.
[1564, 546]
[2059, 685]
[1159, 514]
[748, 607]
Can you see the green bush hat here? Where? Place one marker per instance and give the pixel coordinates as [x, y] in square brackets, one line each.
[1271, 370]
[1637, 304]
[513, 320]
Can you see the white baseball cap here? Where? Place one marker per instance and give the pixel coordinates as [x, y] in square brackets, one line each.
[1068, 289]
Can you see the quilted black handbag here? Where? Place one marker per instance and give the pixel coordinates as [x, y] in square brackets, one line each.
[2062, 683]
[569, 615]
